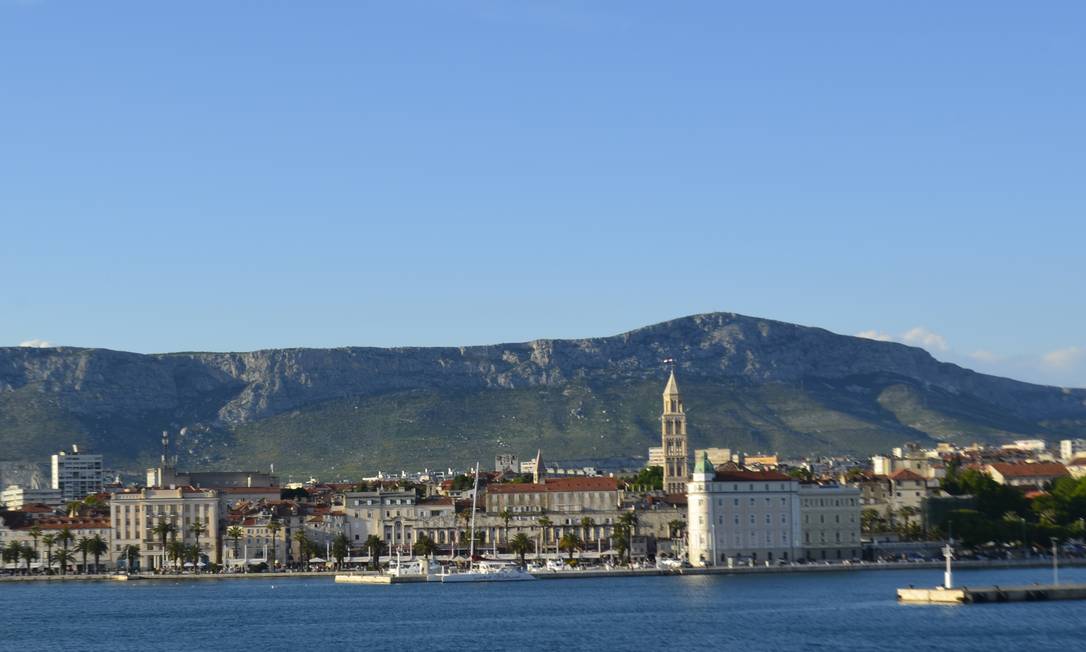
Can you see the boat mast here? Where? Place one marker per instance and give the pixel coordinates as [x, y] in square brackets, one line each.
[471, 534]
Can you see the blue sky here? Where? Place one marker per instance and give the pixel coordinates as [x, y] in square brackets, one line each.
[229, 175]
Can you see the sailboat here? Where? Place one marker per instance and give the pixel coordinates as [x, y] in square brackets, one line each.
[484, 571]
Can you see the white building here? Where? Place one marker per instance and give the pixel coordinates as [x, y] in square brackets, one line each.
[741, 516]
[1072, 448]
[76, 474]
[15, 497]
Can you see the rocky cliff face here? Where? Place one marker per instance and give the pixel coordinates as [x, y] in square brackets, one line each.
[118, 400]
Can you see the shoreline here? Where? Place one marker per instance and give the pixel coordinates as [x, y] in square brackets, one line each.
[588, 574]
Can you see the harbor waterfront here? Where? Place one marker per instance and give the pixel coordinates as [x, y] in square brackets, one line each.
[831, 610]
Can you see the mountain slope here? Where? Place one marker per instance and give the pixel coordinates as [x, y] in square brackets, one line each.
[750, 383]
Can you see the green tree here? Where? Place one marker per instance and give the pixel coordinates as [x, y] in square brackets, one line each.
[131, 554]
[97, 546]
[341, 549]
[648, 479]
[544, 524]
[586, 525]
[235, 532]
[65, 539]
[29, 553]
[35, 534]
[162, 530]
[506, 516]
[675, 528]
[196, 530]
[303, 548]
[424, 547]
[49, 540]
[83, 547]
[520, 544]
[570, 543]
[176, 551]
[629, 519]
[64, 558]
[621, 541]
[374, 546]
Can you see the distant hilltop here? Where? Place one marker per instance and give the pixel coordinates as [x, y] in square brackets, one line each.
[752, 384]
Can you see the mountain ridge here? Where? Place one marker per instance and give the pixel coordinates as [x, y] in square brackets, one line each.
[747, 375]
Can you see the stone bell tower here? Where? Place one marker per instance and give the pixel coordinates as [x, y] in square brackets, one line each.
[673, 435]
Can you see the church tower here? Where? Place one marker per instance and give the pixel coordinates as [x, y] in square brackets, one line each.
[673, 435]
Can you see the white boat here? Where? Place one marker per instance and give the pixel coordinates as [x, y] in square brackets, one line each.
[485, 571]
[413, 567]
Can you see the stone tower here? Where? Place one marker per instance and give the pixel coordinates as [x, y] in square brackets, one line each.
[673, 435]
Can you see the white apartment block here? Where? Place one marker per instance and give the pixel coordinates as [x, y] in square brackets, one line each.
[830, 521]
[76, 474]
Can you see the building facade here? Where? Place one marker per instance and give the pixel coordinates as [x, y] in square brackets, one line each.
[829, 521]
[76, 474]
[16, 497]
[134, 515]
[741, 517]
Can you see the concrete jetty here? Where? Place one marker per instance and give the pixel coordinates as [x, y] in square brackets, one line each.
[981, 595]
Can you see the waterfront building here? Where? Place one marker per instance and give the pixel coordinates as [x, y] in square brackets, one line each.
[673, 438]
[135, 513]
[656, 457]
[79, 526]
[739, 516]
[16, 497]
[830, 521]
[554, 496]
[394, 516]
[76, 474]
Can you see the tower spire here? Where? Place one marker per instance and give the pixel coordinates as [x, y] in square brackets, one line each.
[673, 438]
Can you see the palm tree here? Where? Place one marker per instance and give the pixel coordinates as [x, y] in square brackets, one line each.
[65, 537]
[163, 529]
[586, 523]
[375, 546]
[131, 554]
[97, 547]
[176, 550]
[505, 515]
[192, 553]
[675, 528]
[11, 552]
[35, 534]
[83, 546]
[64, 558]
[49, 540]
[235, 532]
[28, 554]
[196, 529]
[544, 523]
[341, 548]
[629, 519]
[621, 541]
[570, 543]
[303, 547]
[274, 527]
[520, 545]
[424, 547]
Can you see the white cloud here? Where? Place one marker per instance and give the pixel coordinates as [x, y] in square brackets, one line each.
[876, 335]
[922, 337]
[1063, 358]
[37, 344]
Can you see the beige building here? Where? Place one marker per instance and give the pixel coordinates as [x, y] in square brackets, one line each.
[394, 516]
[554, 495]
[134, 514]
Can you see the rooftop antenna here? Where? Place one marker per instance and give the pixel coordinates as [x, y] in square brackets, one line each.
[165, 446]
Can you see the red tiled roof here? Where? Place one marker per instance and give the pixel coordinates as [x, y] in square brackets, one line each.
[750, 476]
[906, 474]
[248, 490]
[552, 485]
[1035, 470]
[436, 500]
